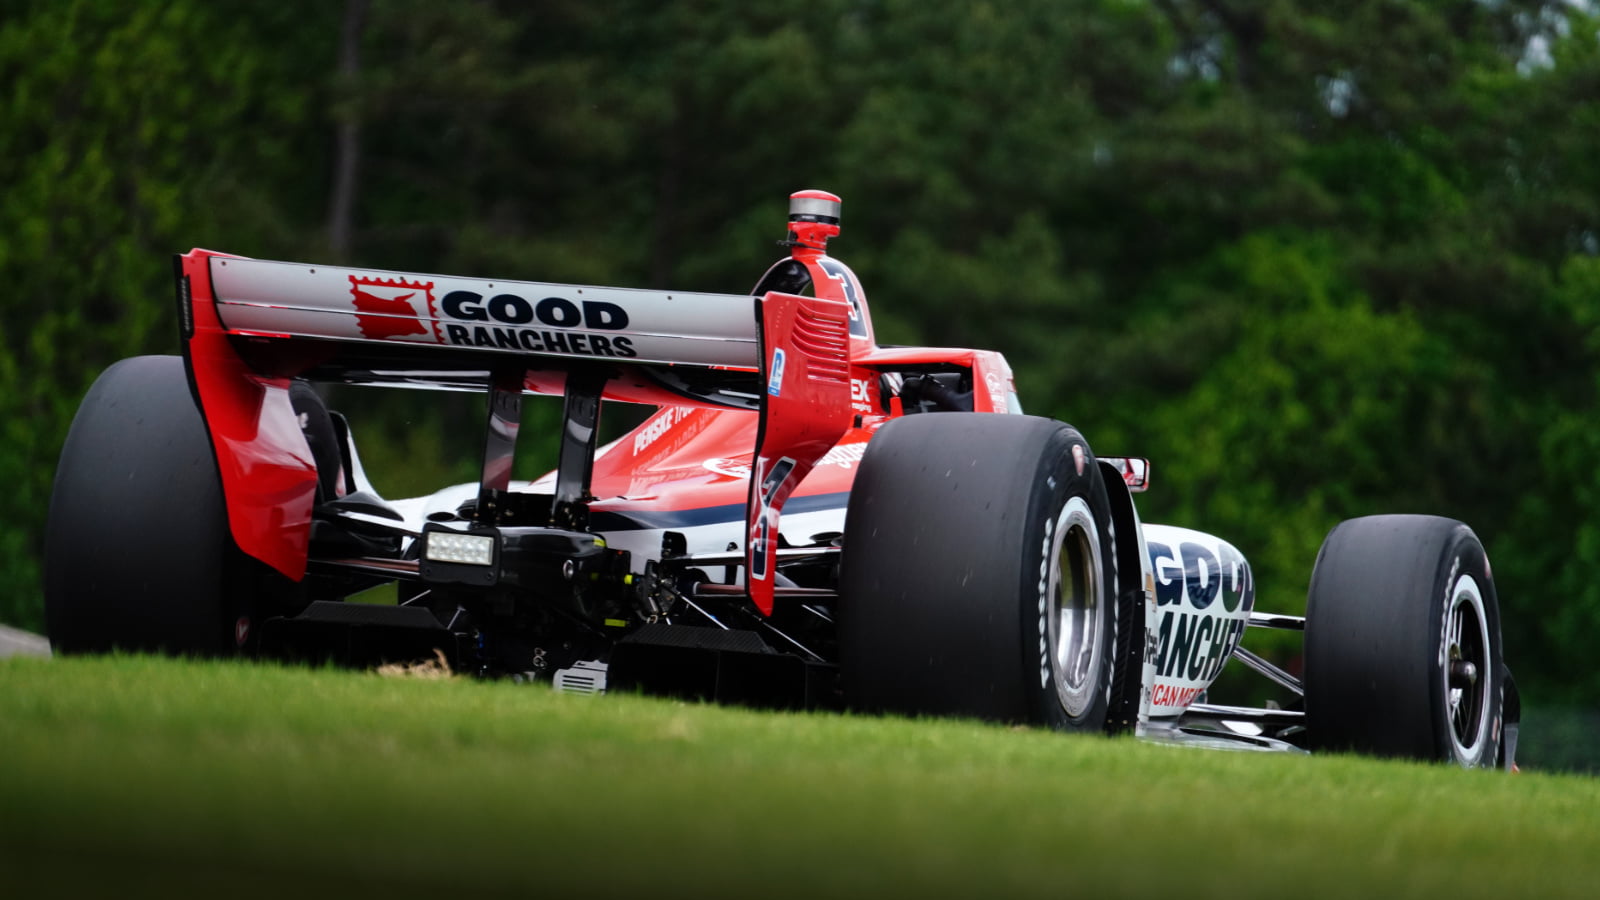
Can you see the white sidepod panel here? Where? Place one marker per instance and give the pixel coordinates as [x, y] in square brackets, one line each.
[1204, 594]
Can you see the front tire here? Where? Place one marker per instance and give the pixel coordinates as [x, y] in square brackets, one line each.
[979, 575]
[1402, 649]
[138, 554]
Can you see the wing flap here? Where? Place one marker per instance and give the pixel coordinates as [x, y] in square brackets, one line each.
[284, 299]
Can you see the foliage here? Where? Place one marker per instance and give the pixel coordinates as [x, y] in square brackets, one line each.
[1317, 260]
[122, 142]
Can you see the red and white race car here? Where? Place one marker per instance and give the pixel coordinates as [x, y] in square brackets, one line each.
[809, 519]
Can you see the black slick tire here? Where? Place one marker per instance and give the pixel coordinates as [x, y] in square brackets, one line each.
[979, 573]
[138, 554]
[1402, 647]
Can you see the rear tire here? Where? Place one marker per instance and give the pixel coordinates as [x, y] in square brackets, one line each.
[1402, 648]
[138, 554]
[979, 575]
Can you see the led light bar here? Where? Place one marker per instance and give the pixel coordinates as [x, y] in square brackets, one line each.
[450, 547]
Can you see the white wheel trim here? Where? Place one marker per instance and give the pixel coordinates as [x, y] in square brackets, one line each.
[1077, 622]
[1465, 604]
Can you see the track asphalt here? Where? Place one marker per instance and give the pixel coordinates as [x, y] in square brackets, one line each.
[22, 643]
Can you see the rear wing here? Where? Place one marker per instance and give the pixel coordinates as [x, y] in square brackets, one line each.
[524, 318]
[251, 327]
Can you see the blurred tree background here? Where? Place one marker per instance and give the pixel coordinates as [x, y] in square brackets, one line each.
[1315, 259]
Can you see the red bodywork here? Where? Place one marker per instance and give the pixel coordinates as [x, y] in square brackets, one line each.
[268, 475]
[813, 425]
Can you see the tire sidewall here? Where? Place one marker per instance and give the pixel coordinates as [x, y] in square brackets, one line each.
[138, 551]
[1465, 557]
[1066, 472]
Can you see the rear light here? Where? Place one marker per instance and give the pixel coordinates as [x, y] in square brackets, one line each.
[451, 547]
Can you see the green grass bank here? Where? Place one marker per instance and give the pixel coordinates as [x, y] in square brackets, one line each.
[144, 777]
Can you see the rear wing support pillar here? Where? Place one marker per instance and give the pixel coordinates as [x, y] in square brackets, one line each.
[499, 445]
[575, 467]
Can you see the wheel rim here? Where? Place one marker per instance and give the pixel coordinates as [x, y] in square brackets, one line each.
[1467, 674]
[1077, 621]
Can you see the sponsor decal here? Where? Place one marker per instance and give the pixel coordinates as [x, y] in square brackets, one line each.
[640, 486]
[659, 427]
[861, 395]
[775, 373]
[1194, 646]
[844, 455]
[1116, 602]
[1044, 604]
[1172, 695]
[766, 517]
[838, 271]
[1205, 592]
[1077, 457]
[1200, 576]
[1444, 619]
[511, 322]
[558, 342]
[387, 308]
[402, 309]
[728, 468]
[551, 312]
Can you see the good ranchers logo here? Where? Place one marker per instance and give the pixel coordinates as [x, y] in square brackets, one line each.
[394, 308]
[404, 309]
